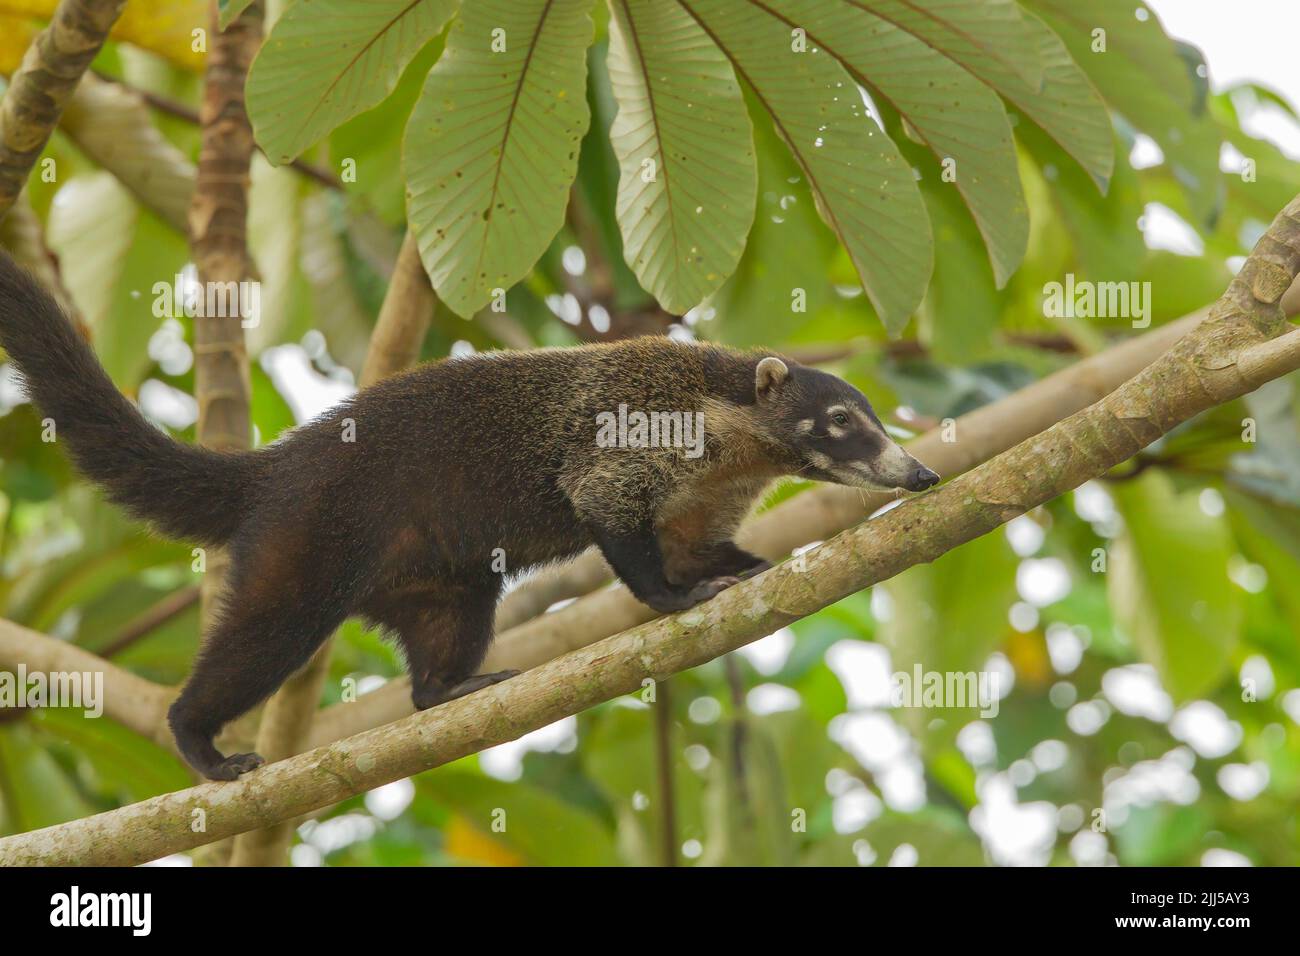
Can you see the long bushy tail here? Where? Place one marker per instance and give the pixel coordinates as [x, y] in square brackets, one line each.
[185, 491]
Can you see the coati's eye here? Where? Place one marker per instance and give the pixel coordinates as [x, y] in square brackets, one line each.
[840, 419]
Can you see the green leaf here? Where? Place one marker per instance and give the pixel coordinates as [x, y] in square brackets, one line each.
[1269, 534]
[492, 145]
[949, 615]
[1108, 244]
[788, 249]
[116, 761]
[939, 836]
[685, 149]
[374, 140]
[959, 118]
[988, 29]
[1066, 105]
[228, 11]
[961, 309]
[1143, 76]
[1169, 586]
[864, 190]
[618, 756]
[111, 254]
[327, 60]
[538, 825]
[34, 790]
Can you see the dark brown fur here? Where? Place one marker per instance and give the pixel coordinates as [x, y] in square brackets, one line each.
[451, 461]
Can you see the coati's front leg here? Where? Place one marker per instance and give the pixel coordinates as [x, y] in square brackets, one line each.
[444, 628]
[619, 501]
[636, 557]
[698, 561]
[696, 538]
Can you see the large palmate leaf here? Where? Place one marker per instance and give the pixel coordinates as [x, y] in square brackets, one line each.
[327, 60]
[492, 144]
[953, 113]
[1065, 104]
[685, 150]
[1169, 585]
[1145, 76]
[863, 188]
[994, 28]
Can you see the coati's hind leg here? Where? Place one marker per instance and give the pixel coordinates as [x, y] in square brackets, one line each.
[444, 628]
[248, 652]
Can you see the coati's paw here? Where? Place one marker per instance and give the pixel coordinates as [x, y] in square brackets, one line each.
[478, 682]
[670, 602]
[711, 587]
[233, 766]
[425, 697]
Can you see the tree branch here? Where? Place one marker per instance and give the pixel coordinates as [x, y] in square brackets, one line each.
[109, 123]
[526, 639]
[23, 235]
[404, 317]
[185, 113]
[132, 701]
[42, 85]
[1228, 355]
[218, 230]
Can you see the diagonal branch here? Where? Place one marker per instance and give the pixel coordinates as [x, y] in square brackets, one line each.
[132, 701]
[1235, 350]
[527, 637]
[42, 85]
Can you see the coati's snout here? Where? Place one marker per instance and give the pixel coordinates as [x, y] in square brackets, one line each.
[833, 430]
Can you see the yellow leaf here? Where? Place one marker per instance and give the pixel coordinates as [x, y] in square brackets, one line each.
[470, 844]
[16, 34]
[164, 27]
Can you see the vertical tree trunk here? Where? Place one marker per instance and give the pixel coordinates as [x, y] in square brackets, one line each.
[218, 221]
[286, 722]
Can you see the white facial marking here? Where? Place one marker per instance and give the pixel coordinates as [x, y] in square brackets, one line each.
[836, 431]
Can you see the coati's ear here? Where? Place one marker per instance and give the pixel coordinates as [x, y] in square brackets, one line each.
[769, 376]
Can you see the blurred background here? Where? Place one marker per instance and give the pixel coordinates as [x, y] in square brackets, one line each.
[1149, 709]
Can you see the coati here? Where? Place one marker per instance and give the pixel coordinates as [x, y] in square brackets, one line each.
[400, 504]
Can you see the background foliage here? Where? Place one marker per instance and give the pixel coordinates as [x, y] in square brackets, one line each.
[1124, 684]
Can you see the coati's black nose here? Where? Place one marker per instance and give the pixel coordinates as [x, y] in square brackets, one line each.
[921, 478]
